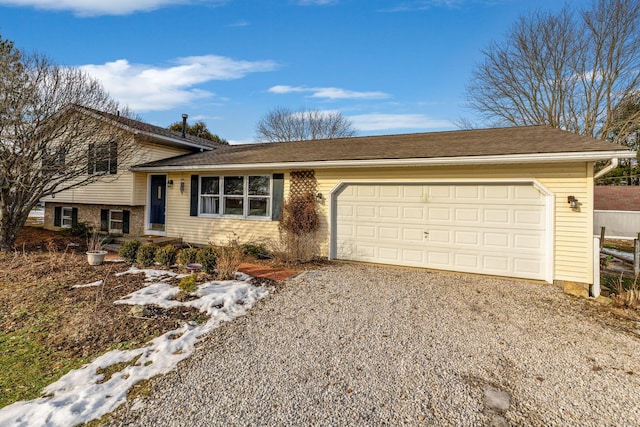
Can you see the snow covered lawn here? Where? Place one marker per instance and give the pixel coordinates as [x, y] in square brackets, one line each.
[88, 393]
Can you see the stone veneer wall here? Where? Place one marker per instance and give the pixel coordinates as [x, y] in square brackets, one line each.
[91, 215]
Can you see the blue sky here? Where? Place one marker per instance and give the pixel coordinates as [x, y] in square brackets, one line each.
[389, 66]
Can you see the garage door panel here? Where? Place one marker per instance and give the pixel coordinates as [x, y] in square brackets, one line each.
[389, 233]
[365, 231]
[413, 234]
[389, 212]
[479, 228]
[466, 238]
[413, 213]
[439, 259]
[437, 215]
[467, 215]
[498, 264]
[467, 261]
[496, 240]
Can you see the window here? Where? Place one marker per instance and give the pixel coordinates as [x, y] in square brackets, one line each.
[238, 196]
[259, 187]
[116, 220]
[210, 195]
[233, 195]
[66, 218]
[103, 158]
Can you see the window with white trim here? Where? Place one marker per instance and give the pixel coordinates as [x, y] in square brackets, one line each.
[246, 196]
[66, 217]
[116, 221]
[210, 195]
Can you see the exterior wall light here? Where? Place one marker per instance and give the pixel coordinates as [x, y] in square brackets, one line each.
[181, 185]
[573, 203]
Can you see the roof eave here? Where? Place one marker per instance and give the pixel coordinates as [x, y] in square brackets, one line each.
[438, 161]
[175, 142]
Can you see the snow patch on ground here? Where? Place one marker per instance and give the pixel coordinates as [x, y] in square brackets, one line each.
[89, 285]
[83, 395]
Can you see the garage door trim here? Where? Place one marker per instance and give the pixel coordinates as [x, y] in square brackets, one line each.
[547, 195]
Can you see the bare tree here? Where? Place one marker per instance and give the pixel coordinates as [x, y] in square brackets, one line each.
[53, 134]
[564, 70]
[282, 124]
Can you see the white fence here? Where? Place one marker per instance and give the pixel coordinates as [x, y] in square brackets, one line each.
[618, 224]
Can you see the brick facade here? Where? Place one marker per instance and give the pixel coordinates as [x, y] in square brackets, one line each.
[90, 214]
[616, 198]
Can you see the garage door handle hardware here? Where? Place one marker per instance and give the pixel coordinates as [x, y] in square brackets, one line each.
[426, 233]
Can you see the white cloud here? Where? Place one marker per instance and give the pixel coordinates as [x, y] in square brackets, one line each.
[414, 5]
[238, 24]
[328, 92]
[150, 88]
[376, 122]
[105, 7]
[316, 2]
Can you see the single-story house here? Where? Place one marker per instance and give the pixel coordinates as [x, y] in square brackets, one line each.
[514, 202]
[617, 208]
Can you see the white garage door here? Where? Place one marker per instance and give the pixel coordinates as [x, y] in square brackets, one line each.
[488, 229]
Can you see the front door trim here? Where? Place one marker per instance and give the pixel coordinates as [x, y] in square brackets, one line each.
[148, 229]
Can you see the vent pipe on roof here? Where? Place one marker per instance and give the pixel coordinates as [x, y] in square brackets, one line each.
[184, 125]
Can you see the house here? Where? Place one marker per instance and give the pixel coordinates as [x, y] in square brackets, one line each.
[617, 208]
[118, 202]
[514, 202]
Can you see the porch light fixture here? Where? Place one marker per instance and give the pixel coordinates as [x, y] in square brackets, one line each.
[573, 202]
[181, 185]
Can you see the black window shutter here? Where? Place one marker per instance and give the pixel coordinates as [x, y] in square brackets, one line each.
[194, 195]
[74, 217]
[125, 222]
[278, 196]
[57, 216]
[113, 157]
[104, 219]
[91, 159]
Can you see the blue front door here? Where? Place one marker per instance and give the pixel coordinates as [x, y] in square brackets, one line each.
[158, 202]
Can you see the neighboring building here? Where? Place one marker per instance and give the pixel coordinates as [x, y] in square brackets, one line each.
[617, 208]
[489, 201]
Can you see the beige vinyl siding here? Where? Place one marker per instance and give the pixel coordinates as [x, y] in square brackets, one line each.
[125, 188]
[202, 230]
[572, 230]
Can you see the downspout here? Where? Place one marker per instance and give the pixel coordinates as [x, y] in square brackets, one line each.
[595, 288]
[607, 169]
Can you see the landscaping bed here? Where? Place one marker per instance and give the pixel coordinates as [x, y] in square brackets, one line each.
[49, 327]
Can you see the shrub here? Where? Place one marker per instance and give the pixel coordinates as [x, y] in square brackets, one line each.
[256, 250]
[146, 255]
[129, 251]
[627, 292]
[188, 285]
[79, 229]
[298, 228]
[166, 255]
[187, 256]
[229, 259]
[208, 258]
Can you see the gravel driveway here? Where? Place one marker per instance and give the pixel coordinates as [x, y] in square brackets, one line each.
[359, 345]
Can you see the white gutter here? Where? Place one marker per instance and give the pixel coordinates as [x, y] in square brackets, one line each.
[613, 163]
[439, 161]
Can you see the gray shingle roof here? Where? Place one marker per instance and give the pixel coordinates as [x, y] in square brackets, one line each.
[154, 130]
[465, 143]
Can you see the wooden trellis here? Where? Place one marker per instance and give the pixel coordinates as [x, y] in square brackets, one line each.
[302, 182]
